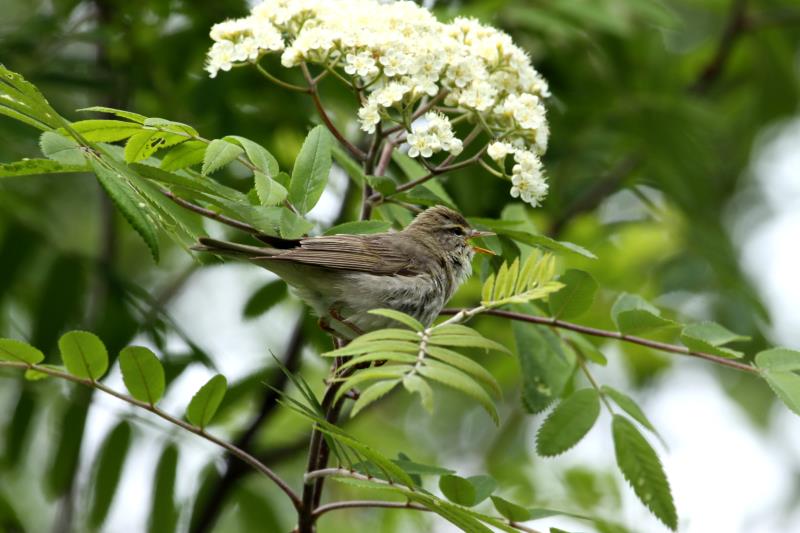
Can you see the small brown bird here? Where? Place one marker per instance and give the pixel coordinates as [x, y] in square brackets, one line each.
[341, 277]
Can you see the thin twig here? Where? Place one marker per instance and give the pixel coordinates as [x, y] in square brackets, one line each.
[234, 470]
[322, 509]
[342, 472]
[230, 448]
[279, 82]
[357, 152]
[734, 28]
[213, 215]
[586, 330]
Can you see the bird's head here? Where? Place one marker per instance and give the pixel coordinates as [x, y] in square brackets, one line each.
[449, 231]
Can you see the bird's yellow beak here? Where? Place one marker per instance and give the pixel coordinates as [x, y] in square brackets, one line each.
[474, 234]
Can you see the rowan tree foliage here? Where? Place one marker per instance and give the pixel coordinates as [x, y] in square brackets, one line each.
[600, 141]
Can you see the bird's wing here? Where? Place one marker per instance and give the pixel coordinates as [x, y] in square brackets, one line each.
[363, 253]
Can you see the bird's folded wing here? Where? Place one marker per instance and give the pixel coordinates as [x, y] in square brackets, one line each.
[352, 252]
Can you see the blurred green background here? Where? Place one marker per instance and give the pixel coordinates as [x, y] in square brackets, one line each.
[658, 109]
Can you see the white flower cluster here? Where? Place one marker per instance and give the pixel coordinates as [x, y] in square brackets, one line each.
[401, 57]
[432, 133]
[527, 175]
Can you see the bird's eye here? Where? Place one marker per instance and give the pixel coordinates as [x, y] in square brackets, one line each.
[457, 230]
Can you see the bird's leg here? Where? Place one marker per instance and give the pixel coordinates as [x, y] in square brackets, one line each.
[339, 318]
[325, 325]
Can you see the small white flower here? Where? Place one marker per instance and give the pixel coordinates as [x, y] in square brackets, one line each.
[432, 133]
[369, 116]
[390, 94]
[499, 150]
[362, 64]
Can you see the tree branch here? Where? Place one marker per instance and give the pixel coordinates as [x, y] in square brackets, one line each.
[230, 448]
[586, 330]
[322, 509]
[342, 472]
[213, 215]
[235, 470]
[735, 27]
[312, 86]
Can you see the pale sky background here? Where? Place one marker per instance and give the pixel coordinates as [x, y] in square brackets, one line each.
[726, 477]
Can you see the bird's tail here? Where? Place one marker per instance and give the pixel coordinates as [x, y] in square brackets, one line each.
[207, 244]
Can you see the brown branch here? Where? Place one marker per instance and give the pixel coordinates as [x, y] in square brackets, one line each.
[213, 215]
[586, 330]
[318, 453]
[443, 167]
[736, 25]
[598, 192]
[230, 448]
[334, 506]
[235, 470]
[357, 152]
[341, 472]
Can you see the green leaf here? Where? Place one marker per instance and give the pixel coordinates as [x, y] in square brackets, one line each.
[633, 315]
[106, 130]
[466, 364]
[372, 393]
[642, 469]
[311, 169]
[265, 298]
[14, 350]
[569, 422]
[206, 401]
[128, 203]
[142, 373]
[512, 511]
[351, 167]
[403, 318]
[64, 150]
[32, 167]
[136, 117]
[22, 101]
[484, 487]
[382, 184]
[576, 297]
[779, 360]
[586, 348]
[164, 510]
[189, 181]
[257, 154]
[218, 154]
[462, 382]
[359, 227]
[477, 341]
[387, 372]
[110, 462]
[709, 337]
[545, 366]
[68, 427]
[355, 348]
[186, 154]
[457, 490]
[293, 226]
[144, 144]
[414, 383]
[628, 405]
[786, 385]
[84, 354]
[563, 247]
[171, 126]
[263, 188]
[412, 468]
[396, 334]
